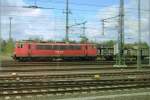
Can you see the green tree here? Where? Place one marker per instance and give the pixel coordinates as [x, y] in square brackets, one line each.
[109, 43]
[38, 39]
[3, 45]
[8, 49]
[84, 39]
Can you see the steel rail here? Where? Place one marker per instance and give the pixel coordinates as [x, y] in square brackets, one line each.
[70, 88]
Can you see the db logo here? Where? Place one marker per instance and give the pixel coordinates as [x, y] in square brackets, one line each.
[59, 52]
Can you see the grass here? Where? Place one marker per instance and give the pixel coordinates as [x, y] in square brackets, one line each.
[6, 57]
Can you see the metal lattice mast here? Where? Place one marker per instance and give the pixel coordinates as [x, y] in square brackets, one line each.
[121, 59]
[149, 32]
[67, 21]
[35, 2]
[103, 27]
[10, 32]
[83, 33]
[0, 41]
[139, 36]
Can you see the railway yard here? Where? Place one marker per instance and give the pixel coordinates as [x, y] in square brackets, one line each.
[58, 80]
[75, 50]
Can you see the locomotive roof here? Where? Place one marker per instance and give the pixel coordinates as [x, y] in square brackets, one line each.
[45, 42]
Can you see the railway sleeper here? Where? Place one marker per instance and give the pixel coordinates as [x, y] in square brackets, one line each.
[72, 90]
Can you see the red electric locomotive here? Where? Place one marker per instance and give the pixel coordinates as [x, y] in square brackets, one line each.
[25, 51]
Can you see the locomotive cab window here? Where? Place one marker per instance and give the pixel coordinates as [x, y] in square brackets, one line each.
[20, 46]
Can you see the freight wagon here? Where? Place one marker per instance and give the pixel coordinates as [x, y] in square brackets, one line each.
[108, 53]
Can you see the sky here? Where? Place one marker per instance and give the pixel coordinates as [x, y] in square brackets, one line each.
[49, 24]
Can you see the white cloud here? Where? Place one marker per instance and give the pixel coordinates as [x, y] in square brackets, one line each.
[131, 22]
[95, 33]
[26, 22]
[36, 22]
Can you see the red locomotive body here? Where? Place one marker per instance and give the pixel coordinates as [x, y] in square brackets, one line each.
[38, 50]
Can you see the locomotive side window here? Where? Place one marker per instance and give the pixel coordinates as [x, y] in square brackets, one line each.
[70, 47]
[39, 47]
[74, 47]
[44, 47]
[77, 47]
[62, 47]
[67, 47]
[48, 47]
[56, 47]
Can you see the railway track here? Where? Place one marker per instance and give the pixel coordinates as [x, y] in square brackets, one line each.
[62, 87]
[15, 64]
[58, 66]
[66, 69]
[70, 68]
[61, 77]
[72, 76]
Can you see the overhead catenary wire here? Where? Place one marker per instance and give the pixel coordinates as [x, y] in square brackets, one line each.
[92, 5]
[79, 10]
[61, 9]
